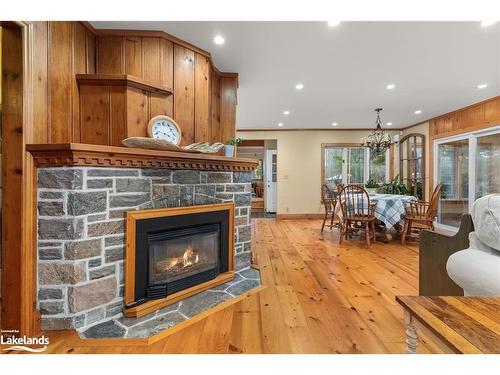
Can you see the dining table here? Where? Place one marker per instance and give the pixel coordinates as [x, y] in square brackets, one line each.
[389, 212]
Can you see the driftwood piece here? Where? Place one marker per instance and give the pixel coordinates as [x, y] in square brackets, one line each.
[163, 145]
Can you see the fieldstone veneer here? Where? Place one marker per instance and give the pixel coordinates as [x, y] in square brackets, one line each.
[81, 226]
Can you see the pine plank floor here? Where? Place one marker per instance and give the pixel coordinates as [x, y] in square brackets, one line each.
[319, 297]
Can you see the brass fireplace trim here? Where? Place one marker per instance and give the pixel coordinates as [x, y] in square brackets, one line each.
[153, 305]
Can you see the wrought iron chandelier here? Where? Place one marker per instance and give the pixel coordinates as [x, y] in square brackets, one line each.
[378, 141]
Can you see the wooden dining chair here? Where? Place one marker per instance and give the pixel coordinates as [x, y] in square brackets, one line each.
[330, 202]
[358, 213]
[421, 214]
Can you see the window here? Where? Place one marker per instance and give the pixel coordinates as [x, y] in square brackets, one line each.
[379, 167]
[412, 163]
[468, 166]
[352, 165]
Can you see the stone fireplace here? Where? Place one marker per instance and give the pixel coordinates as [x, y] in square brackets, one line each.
[82, 226]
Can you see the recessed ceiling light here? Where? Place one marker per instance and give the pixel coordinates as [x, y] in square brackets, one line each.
[286, 113]
[219, 40]
[390, 86]
[334, 124]
[333, 23]
[418, 111]
[280, 124]
[299, 86]
[389, 124]
[487, 23]
[482, 86]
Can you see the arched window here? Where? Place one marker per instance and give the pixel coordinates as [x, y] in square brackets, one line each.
[412, 163]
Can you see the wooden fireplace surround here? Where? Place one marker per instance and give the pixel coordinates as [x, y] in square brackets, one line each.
[153, 305]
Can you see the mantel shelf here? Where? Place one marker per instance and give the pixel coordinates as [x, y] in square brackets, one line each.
[78, 154]
[122, 80]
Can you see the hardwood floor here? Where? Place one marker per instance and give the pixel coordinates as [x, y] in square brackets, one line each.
[320, 297]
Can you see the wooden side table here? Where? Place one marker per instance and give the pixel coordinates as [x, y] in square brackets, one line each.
[455, 324]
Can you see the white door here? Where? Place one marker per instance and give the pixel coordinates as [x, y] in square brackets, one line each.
[271, 180]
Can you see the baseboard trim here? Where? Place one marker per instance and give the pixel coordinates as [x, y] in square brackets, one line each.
[300, 216]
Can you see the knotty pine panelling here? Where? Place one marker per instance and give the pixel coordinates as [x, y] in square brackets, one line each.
[40, 82]
[202, 96]
[95, 114]
[110, 55]
[228, 88]
[184, 92]
[151, 59]
[215, 135]
[477, 116]
[161, 105]
[60, 81]
[196, 100]
[132, 49]
[60, 50]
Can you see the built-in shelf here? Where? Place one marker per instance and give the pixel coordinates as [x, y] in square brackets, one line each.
[122, 80]
[78, 154]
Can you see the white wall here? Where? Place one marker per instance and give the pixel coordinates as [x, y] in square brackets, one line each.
[299, 164]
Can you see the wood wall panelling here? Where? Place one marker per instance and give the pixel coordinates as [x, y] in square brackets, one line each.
[61, 50]
[118, 115]
[91, 53]
[12, 167]
[132, 56]
[151, 59]
[137, 112]
[161, 105]
[60, 81]
[215, 135]
[201, 99]
[40, 84]
[166, 63]
[95, 114]
[184, 92]
[228, 88]
[79, 67]
[474, 117]
[195, 103]
[110, 55]
[492, 112]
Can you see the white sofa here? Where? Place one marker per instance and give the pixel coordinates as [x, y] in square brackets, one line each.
[477, 269]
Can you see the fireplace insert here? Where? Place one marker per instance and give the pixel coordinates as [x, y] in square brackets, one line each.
[177, 252]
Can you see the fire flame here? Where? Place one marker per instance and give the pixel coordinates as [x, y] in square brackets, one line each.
[187, 259]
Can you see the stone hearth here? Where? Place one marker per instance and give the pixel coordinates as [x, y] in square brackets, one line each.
[81, 230]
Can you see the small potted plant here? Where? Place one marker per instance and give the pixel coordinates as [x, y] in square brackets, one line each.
[371, 187]
[230, 147]
[394, 186]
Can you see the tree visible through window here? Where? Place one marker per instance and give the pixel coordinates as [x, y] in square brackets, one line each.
[352, 165]
[378, 168]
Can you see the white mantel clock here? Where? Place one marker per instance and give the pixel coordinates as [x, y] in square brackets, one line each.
[164, 127]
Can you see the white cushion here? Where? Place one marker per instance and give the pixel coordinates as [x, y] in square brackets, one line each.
[477, 271]
[486, 217]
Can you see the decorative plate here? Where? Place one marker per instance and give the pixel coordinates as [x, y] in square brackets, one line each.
[163, 127]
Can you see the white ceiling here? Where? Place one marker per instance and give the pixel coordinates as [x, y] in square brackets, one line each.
[435, 66]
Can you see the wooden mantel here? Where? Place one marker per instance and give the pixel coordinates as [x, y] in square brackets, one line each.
[86, 155]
